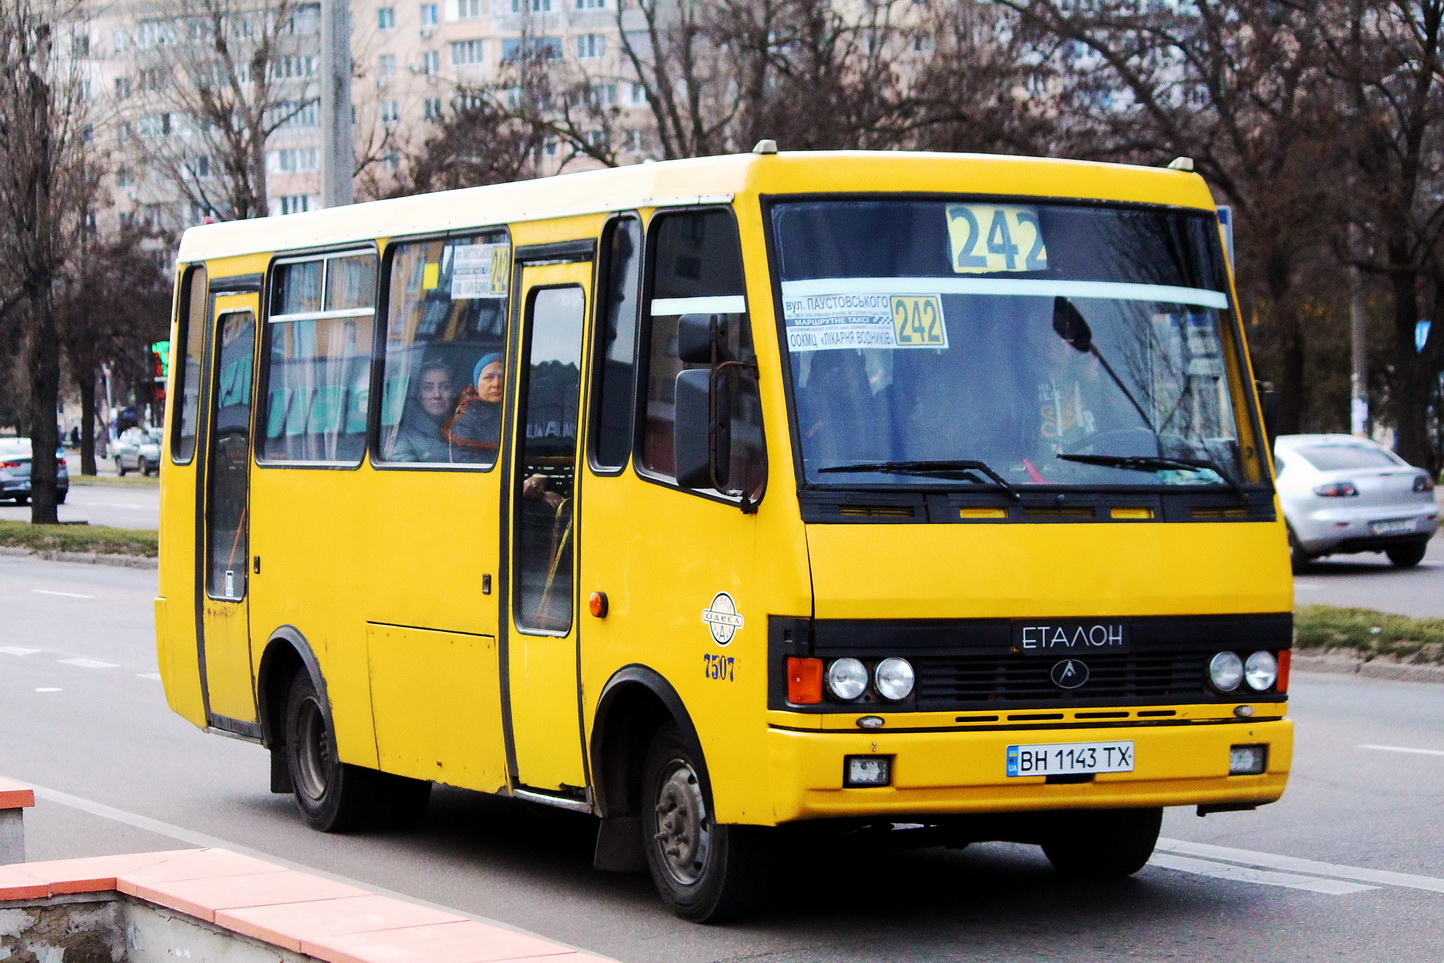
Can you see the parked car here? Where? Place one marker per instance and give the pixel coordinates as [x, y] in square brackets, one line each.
[1342, 494]
[15, 458]
[137, 449]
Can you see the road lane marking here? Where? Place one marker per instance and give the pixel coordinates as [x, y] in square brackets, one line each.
[1243, 874]
[68, 595]
[16, 650]
[1422, 752]
[48, 689]
[151, 676]
[89, 663]
[1295, 864]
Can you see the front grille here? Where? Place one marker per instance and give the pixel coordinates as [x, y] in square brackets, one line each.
[946, 683]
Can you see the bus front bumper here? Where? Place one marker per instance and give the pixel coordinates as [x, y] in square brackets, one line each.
[960, 771]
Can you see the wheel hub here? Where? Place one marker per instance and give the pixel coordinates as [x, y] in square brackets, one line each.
[683, 835]
[311, 750]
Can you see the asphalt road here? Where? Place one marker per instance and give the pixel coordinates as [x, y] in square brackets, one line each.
[1369, 581]
[1347, 867]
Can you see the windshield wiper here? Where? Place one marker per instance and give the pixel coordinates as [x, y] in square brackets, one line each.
[1151, 463]
[960, 470]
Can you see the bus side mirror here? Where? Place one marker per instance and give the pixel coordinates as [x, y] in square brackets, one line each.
[701, 434]
[696, 335]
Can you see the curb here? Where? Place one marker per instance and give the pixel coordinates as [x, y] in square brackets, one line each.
[86, 558]
[1369, 669]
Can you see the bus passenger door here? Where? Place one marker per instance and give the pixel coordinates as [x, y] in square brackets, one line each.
[225, 630]
[542, 695]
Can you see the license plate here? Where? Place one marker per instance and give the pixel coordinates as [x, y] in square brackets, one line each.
[1393, 526]
[1070, 758]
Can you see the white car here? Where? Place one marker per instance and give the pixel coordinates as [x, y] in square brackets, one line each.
[137, 449]
[15, 471]
[1341, 493]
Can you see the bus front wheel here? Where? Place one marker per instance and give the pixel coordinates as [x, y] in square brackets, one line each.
[1102, 844]
[334, 796]
[705, 871]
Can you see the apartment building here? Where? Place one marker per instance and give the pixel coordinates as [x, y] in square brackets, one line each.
[163, 100]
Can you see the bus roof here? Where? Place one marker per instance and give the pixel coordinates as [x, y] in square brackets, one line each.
[696, 181]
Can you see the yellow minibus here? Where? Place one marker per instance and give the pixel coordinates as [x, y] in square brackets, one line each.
[924, 493]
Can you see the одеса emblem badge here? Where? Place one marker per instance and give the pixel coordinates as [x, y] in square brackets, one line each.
[722, 618]
[1069, 674]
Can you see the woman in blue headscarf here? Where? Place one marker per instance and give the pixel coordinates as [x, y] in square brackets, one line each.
[474, 431]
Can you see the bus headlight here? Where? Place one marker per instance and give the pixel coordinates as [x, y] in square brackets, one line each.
[847, 679]
[894, 678]
[1225, 671]
[1260, 671]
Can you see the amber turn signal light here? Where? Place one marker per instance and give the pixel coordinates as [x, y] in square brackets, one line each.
[598, 604]
[804, 681]
[1285, 657]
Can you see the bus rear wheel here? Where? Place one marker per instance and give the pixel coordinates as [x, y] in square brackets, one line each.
[1102, 844]
[705, 871]
[337, 797]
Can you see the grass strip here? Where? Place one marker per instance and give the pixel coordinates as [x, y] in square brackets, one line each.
[129, 481]
[1369, 634]
[97, 539]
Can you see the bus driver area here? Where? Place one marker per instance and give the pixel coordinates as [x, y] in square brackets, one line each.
[950, 467]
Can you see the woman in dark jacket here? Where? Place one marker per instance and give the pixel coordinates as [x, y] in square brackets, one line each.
[475, 429]
[418, 437]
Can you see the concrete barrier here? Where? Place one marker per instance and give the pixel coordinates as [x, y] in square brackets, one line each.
[14, 800]
[213, 904]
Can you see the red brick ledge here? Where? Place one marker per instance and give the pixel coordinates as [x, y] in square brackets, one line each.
[14, 795]
[306, 914]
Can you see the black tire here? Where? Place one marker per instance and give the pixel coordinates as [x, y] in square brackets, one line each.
[22, 499]
[60, 497]
[337, 797]
[1407, 556]
[1298, 559]
[704, 871]
[142, 466]
[119, 467]
[1102, 844]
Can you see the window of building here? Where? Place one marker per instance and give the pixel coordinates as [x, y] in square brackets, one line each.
[122, 88]
[696, 268]
[390, 111]
[468, 9]
[465, 52]
[121, 41]
[591, 46]
[295, 203]
[386, 18]
[538, 48]
[533, 6]
[429, 16]
[316, 369]
[431, 62]
[431, 108]
[386, 66]
[80, 45]
[293, 160]
[124, 177]
[591, 4]
[445, 344]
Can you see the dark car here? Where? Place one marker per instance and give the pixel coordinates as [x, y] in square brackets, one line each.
[15, 471]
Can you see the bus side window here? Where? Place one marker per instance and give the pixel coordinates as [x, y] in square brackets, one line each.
[189, 347]
[445, 344]
[695, 267]
[317, 361]
[614, 358]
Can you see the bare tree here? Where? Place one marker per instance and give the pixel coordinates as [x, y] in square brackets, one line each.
[44, 188]
[114, 304]
[1386, 57]
[217, 81]
[1240, 86]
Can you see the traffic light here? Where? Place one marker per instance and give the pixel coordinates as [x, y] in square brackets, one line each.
[160, 360]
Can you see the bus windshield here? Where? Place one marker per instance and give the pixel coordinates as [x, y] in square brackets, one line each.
[958, 341]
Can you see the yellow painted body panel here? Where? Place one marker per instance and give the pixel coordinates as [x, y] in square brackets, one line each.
[1061, 570]
[457, 740]
[956, 772]
[382, 570]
